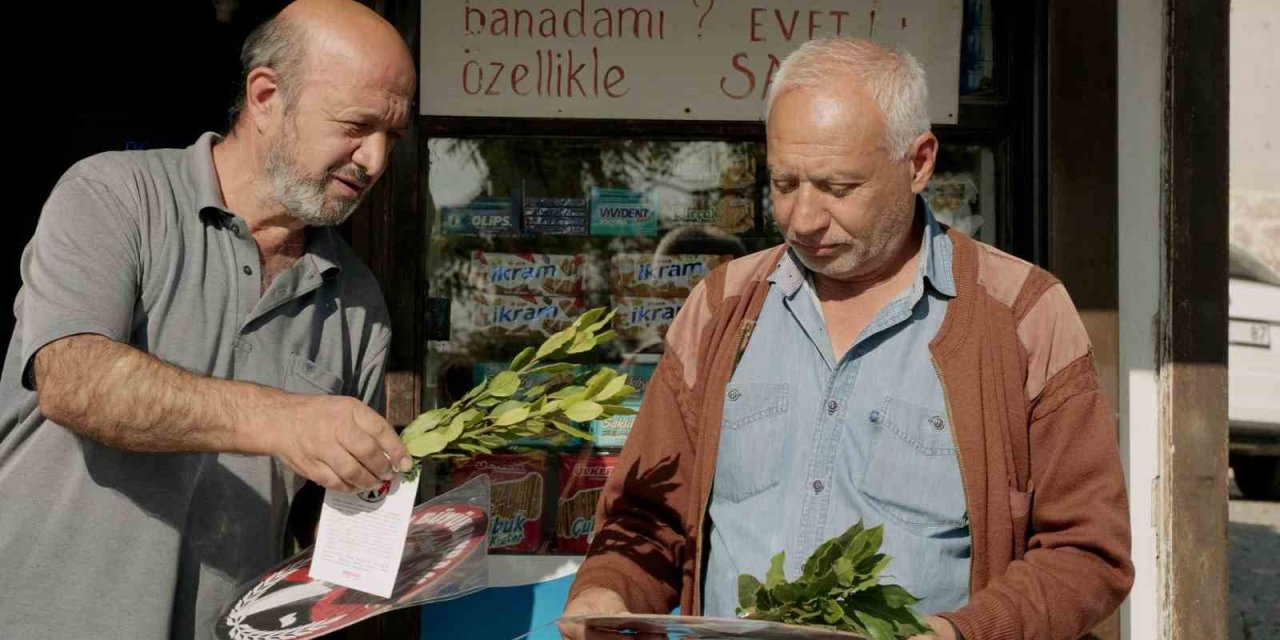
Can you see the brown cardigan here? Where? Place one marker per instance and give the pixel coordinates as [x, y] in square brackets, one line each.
[1037, 445]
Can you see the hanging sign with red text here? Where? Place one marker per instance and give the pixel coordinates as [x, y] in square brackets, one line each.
[663, 60]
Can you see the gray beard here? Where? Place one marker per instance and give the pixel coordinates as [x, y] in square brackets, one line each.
[304, 198]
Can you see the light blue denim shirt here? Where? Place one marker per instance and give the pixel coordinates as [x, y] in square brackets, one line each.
[810, 445]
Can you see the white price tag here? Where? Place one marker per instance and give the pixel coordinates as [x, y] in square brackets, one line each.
[361, 537]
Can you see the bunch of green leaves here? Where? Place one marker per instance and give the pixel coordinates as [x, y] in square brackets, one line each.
[503, 409]
[839, 589]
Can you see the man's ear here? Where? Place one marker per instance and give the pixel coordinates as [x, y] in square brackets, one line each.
[923, 155]
[263, 98]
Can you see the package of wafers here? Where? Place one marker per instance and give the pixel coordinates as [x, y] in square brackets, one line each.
[582, 478]
[517, 483]
[530, 273]
[664, 276]
[644, 318]
[496, 316]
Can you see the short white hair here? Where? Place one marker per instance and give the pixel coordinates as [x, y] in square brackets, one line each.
[893, 76]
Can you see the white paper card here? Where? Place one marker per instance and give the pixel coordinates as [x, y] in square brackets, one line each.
[361, 537]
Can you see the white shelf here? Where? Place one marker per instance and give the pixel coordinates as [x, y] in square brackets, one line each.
[514, 570]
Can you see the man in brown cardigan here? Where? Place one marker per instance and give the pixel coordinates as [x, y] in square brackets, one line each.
[876, 367]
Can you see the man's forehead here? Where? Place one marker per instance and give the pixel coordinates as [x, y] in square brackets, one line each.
[361, 99]
[825, 115]
[373, 65]
[844, 148]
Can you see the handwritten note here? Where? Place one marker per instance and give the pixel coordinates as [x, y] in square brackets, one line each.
[667, 60]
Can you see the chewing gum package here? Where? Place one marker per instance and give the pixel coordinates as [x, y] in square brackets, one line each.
[542, 226]
[555, 216]
[666, 276]
[622, 212]
[611, 433]
[521, 316]
[556, 207]
[641, 318]
[527, 273]
[482, 217]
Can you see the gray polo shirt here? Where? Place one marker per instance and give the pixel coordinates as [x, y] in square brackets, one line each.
[96, 542]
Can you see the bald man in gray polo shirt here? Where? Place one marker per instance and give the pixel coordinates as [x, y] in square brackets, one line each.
[190, 333]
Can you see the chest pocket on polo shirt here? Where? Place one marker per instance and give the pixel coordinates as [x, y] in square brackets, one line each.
[913, 472]
[750, 455]
[307, 377]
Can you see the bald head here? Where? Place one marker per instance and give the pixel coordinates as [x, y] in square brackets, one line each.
[343, 31]
[322, 34]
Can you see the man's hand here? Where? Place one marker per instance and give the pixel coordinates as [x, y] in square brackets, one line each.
[593, 601]
[941, 628]
[335, 441]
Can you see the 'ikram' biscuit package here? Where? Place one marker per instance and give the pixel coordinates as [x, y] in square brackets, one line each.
[641, 318]
[664, 276]
[527, 273]
[497, 316]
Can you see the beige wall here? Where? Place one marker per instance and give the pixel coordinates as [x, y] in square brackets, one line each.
[1255, 128]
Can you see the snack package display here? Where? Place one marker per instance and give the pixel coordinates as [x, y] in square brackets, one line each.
[642, 318]
[663, 276]
[622, 212]
[481, 217]
[527, 273]
[516, 485]
[499, 316]
[582, 477]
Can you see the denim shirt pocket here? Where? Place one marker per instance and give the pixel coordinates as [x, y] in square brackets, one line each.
[912, 473]
[750, 454]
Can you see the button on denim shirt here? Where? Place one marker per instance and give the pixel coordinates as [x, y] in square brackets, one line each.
[810, 445]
